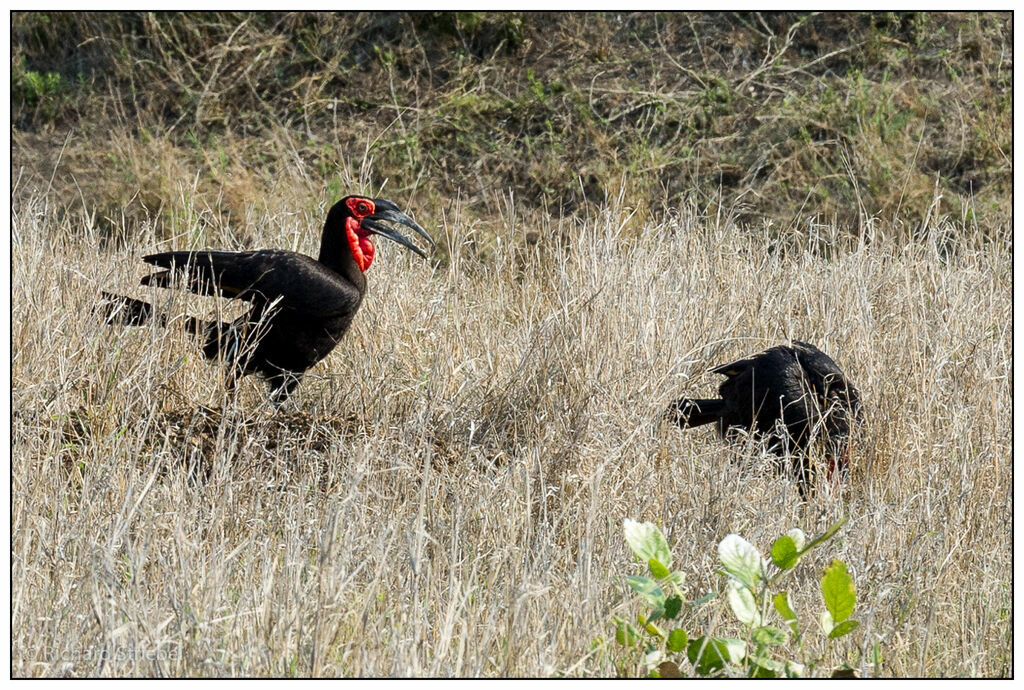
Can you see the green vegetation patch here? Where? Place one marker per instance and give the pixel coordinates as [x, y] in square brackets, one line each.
[777, 116]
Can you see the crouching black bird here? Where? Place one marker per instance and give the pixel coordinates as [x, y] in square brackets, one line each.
[301, 307]
[793, 397]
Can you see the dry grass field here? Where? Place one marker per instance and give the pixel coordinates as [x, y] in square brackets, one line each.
[444, 496]
[621, 202]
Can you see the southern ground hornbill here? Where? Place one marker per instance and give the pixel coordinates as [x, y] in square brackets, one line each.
[301, 307]
[793, 396]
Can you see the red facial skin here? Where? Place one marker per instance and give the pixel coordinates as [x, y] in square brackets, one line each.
[358, 238]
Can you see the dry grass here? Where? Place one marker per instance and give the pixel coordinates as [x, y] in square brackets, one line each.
[446, 493]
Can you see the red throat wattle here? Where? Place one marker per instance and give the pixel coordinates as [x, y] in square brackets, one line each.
[360, 244]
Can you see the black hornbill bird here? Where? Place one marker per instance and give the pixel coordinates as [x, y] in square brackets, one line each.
[792, 396]
[301, 307]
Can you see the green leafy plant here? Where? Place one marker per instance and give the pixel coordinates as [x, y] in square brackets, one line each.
[771, 642]
[43, 90]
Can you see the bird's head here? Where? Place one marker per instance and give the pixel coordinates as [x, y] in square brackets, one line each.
[360, 217]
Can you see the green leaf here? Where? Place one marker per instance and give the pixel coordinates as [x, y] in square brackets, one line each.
[781, 602]
[766, 667]
[649, 625]
[677, 640]
[625, 634]
[709, 654]
[838, 591]
[648, 589]
[647, 542]
[672, 607]
[784, 552]
[741, 601]
[740, 559]
[769, 636]
[844, 628]
[657, 569]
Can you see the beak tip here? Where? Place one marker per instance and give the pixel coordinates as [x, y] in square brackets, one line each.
[396, 216]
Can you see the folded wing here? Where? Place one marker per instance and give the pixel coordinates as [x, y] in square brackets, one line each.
[293, 281]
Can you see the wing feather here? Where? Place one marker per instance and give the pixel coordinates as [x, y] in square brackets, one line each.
[298, 282]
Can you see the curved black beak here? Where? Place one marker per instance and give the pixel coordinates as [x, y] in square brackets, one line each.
[387, 210]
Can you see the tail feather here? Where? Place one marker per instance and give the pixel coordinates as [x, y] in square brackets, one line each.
[690, 413]
[123, 310]
[158, 279]
[218, 338]
[128, 311]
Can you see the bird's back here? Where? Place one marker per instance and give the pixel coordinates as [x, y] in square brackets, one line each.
[799, 386]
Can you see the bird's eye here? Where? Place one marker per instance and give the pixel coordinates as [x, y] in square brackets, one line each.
[363, 208]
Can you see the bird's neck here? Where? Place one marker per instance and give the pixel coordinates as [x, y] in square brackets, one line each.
[346, 253]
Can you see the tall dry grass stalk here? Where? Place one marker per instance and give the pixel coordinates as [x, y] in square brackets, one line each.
[445, 495]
